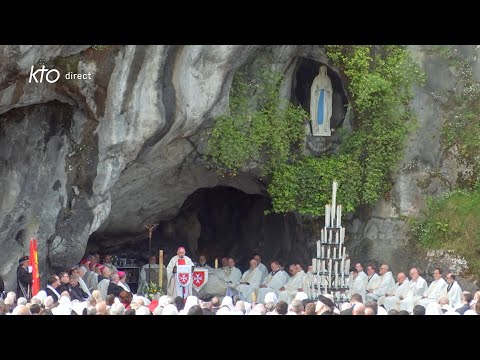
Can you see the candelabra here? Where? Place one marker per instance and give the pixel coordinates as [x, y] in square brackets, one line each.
[331, 266]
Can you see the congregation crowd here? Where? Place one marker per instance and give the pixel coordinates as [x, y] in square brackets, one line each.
[98, 288]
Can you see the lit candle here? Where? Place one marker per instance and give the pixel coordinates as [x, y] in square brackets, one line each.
[328, 252]
[322, 235]
[347, 266]
[334, 252]
[336, 271]
[254, 297]
[344, 256]
[216, 263]
[337, 238]
[334, 202]
[339, 215]
[160, 273]
[318, 249]
[330, 273]
[314, 265]
[342, 267]
[327, 216]
[342, 236]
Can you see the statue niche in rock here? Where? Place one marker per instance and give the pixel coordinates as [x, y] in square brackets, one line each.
[321, 103]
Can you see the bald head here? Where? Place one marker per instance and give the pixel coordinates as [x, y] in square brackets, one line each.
[383, 269]
[21, 310]
[101, 308]
[359, 309]
[181, 252]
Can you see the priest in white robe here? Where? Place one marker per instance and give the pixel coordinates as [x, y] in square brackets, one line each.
[308, 281]
[383, 284]
[202, 263]
[361, 277]
[81, 273]
[373, 280]
[288, 292]
[174, 287]
[250, 281]
[273, 282]
[416, 289]
[233, 275]
[391, 297]
[454, 292]
[143, 277]
[261, 267]
[436, 290]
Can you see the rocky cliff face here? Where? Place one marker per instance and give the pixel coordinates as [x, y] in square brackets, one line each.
[105, 156]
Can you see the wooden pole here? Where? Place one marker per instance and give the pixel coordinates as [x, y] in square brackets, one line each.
[160, 273]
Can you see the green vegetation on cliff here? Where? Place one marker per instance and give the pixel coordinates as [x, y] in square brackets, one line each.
[261, 129]
[451, 222]
[462, 128]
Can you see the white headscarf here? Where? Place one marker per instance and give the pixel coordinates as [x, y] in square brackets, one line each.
[191, 301]
[170, 309]
[271, 297]
[433, 308]
[301, 296]
[227, 300]
[223, 311]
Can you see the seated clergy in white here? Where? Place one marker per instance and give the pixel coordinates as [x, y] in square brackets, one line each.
[373, 280]
[145, 273]
[416, 289]
[274, 281]
[308, 281]
[288, 292]
[384, 284]
[436, 290]
[261, 267]
[454, 292]
[360, 288]
[391, 297]
[202, 263]
[232, 274]
[249, 281]
[358, 284]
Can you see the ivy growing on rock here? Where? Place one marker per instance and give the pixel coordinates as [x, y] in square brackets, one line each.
[262, 129]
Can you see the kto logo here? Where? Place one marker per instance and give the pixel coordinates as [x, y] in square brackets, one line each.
[48, 75]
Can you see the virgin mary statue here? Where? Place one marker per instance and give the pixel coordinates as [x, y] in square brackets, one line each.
[321, 103]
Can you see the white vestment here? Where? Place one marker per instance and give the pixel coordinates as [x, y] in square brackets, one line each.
[84, 286]
[415, 292]
[94, 282]
[435, 291]
[372, 283]
[359, 285]
[274, 282]
[455, 295]
[233, 276]
[142, 277]
[174, 287]
[381, 286]
[253, 277]
[88, 278]
[399, 290]
[124, 286]
[295, 282]
[307, 284]
[263, 269]
[103, 287]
